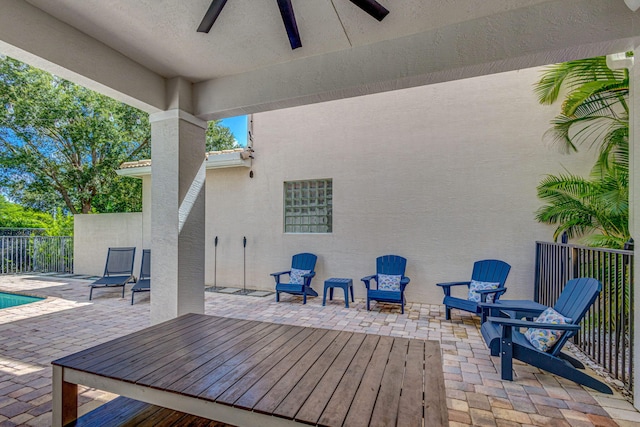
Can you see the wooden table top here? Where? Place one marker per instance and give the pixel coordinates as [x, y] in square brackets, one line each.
[314, 376]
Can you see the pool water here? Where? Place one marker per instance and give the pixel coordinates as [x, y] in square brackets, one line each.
[12, 300]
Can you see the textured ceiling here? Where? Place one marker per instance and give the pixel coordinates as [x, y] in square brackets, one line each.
[249, 34]
[149, 54]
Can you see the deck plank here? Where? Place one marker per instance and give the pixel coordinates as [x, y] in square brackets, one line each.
[255, 366]
[101, 352]
[189, 346]
[364, 401]
[337, 408]
[287, 406]
[385, 411]
[411, 405]
[435, 406]
[125, 412]
[180, 366]
[258, 382]
[139, 359]
[313, 406]
[278, 383]
[114, 415]
[231, 354]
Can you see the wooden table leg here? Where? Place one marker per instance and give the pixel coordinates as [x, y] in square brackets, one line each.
[65, 399]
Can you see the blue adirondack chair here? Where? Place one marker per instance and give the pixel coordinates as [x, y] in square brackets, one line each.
[503, 336]
[118, 270]
[389, 268]
[300, 275]
[144, 281]
[488, 270]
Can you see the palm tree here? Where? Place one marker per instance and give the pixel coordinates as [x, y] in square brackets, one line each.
[595, 208]
[594, 112]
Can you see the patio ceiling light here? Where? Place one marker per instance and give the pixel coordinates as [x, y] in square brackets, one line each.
[372, 7]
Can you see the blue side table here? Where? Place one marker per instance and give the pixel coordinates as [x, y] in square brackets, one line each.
[346, 284]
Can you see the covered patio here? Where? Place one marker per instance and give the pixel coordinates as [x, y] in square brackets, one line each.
[150, 56]
[66, 322]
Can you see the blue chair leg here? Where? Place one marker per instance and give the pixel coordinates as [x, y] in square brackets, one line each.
[368, 309]
[277, 296]
[352, 299]
[346, 297]
[304, 296]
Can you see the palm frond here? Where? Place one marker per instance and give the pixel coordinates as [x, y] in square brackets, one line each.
[598, 95]
[573, 74]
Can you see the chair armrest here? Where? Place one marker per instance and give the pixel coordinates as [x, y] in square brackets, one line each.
[446, 287]
[281, 273]
[519, 306]
[404, 282]
[449, 284]
[306, 278]
[367, 279]
[516, 323]
[489, 291]
[484, 293]
[277, 275]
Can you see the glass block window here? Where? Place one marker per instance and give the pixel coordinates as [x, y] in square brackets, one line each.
[308, 206]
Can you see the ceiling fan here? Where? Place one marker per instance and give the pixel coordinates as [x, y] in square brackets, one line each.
[372, 7]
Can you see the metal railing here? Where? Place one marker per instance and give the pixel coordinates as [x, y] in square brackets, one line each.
[607, 328]
[27, 254]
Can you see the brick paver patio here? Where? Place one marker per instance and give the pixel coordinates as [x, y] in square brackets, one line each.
[35, 334]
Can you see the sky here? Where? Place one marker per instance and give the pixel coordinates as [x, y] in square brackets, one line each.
[238, 126]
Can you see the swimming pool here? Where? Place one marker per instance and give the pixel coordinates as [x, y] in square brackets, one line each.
[12, 300]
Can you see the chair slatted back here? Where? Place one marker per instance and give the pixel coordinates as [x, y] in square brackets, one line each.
[491, 270]
[304, 261]
[575, 300]
[391, 264]
[119, 262]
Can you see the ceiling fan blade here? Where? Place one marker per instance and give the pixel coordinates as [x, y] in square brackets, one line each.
[211, 15]
[372, 7]
[289, 19]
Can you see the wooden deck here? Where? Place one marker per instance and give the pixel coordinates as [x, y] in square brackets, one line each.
[249, 373]
[125, 412]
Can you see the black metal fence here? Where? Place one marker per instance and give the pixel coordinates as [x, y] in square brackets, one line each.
[607, 329]
[27, 254]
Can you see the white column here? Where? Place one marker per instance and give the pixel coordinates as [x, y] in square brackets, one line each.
[177, 214]
[634, 206]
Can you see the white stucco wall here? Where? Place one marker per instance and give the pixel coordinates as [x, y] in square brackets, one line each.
[443, 175]
[94, 234]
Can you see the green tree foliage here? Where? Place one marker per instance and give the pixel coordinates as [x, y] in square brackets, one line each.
[594, 113]
[60, 225]
[60, 143]
[219, 137]
[15, 216]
